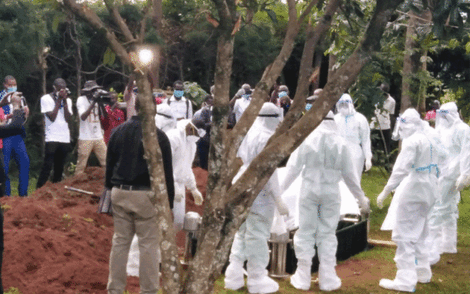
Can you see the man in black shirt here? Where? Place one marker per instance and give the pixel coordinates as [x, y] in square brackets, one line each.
[133, 204]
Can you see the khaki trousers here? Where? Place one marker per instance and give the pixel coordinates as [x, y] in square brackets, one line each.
[134, 213]
[85, 147]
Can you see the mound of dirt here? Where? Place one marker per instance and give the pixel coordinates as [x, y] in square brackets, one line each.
[56, 242]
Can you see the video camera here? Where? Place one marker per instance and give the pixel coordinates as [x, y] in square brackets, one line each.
[102, 96]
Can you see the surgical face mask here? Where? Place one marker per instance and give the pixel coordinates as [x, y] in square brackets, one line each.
[308, 106]
[178, 93]
[344, 111]
[282, 94]
[246, 96]
[12, 89]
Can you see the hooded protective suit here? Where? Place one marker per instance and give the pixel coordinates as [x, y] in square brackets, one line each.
[164, 119]
[354, 127]
[183, 150]
[414, 177]
[250, 241]
[323, 159]
[454, 134]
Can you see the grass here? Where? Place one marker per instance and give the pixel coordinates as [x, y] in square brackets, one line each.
[450, 275]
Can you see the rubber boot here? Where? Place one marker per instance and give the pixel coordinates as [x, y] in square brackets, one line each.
[401, 282]
[234, 276]
[259, 282]
[327, 278]
[302, 277]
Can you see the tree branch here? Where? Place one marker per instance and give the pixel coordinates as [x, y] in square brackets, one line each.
[94, 21]
[121, 23]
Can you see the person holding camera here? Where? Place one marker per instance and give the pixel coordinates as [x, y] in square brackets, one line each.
[57, 109]
[90, 136]
[14, 145]
[112, 116]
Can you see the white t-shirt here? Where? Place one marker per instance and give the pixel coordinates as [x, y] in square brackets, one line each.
[90, 129]
[240, 106]
[58, 130]
[182, 109]
[383, 115]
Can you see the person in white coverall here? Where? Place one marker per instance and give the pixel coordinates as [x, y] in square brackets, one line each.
[354, 127]
[164, 118]
[414, 177]
[322, 159]
[183, 136]
[454, 134]
[251, 240]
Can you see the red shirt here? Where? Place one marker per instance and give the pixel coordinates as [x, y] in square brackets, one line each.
[114, 118]
[431, 114]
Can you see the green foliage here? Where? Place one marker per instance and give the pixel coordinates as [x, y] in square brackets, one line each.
[109, 57]
[22, 35]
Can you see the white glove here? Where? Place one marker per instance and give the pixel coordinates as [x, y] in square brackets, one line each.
[282, 208]
[381, 198]
[364, 205]
[197, 196]
[368, 164]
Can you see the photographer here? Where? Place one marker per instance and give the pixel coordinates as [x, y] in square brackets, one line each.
[112, 116]
[90, 137]
[57, 110]
[14, 146]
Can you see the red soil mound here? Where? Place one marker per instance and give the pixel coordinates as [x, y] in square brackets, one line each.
[56, 242]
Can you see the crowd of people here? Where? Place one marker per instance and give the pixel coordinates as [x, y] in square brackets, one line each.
[432, 167]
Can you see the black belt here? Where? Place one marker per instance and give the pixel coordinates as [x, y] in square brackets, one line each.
[133, 187]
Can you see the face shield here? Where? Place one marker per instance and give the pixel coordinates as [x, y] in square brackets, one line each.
[407, 124]
[345, 105]
[443, 119]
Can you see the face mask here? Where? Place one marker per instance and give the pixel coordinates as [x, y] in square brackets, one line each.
[11, 89]
[308, 106]
[344, 111]
[246, 96]
[282, 94]
[178, 93]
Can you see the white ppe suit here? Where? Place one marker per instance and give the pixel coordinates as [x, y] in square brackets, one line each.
[354, 128]
[183, 150]
[454, 134]
[250, 242]
[164, 118]
[322, 159]
[414, 177]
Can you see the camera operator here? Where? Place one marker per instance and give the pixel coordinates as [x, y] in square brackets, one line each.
[90, 137]
[112, 116]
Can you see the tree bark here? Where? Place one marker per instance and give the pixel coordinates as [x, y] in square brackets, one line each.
[226, 210]
[412, 94]
[94, 21]
[171, 268]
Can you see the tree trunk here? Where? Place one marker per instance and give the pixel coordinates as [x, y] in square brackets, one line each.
[171, 268]
[226, 210]
[412, 87]
[227, 205]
